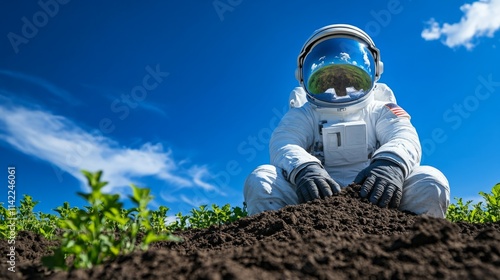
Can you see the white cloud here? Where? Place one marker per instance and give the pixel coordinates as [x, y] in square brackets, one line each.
[62, 143]
[115, 95]
[153, 108]
[194, 202]
[432, 32]
[345, 56]
[365, 56]
[314, 65]
[170, 219]
[481, 18]
[198, 174]
[43, 84]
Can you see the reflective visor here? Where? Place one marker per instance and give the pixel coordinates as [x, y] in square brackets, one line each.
[338, 70]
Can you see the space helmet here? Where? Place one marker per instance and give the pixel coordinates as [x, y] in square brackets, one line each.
[338, 66]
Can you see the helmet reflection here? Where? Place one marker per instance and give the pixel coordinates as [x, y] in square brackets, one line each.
[339, 79]
[338, 70]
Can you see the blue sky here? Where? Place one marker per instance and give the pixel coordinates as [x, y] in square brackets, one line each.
[181, 96]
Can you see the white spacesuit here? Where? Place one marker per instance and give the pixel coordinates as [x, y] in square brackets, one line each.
[344, 127]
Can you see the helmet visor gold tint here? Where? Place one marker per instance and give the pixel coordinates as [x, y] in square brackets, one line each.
[338, 70]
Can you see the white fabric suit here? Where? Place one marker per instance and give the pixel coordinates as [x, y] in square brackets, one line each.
[345, 141]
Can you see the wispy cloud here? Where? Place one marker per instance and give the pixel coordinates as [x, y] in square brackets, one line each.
[481, 18]
[365, 56]
[194, 202]
[62, 143]
[43, 84]
[153, 108]
[199, 196]
[115, 95]
[199, 174]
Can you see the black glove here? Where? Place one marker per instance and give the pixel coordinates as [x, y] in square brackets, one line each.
[314, 182]
[383, 181]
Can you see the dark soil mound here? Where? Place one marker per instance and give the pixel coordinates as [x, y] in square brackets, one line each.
[341, 237]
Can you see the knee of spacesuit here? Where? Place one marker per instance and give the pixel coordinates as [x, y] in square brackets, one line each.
[266, 189]
[258, 188]
[426, 191]
[259, 180]
[441, 186]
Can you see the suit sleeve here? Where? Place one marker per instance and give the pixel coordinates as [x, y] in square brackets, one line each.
[398, 138]
[291, 140]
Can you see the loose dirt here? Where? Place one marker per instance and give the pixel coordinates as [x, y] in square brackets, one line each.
[342, 237]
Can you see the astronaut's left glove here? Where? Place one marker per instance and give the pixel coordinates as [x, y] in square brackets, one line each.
[382, 182]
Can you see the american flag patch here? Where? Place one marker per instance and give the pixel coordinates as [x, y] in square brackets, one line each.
[398, 111]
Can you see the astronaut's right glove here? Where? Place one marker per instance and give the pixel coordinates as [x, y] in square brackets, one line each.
[314, 182]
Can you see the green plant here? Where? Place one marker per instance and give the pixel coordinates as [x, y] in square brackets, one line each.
[47, 225]
[28, 220]
[479, 212]
[158, 219]
[65, 210]
[5, 214]
[204, 217]
[492, 208]
[104, 230]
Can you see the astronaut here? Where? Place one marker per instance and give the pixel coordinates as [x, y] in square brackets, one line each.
[344, 127]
